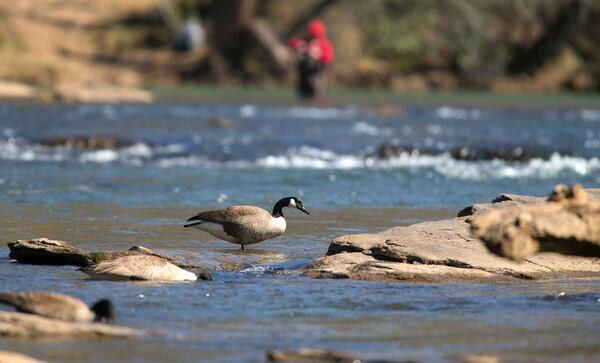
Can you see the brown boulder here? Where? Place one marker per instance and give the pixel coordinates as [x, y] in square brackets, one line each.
[440, 251]
[45, 251]
[309, 355]
[511, 200]
[87, 142]
[568, 222]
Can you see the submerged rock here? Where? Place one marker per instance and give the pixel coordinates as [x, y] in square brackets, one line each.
[87, 142]
[309, 355]
[514, 154]
[511, 200]
[568, 222]
[388, 151]
[508, 154]
[20, 325]
[439, 251]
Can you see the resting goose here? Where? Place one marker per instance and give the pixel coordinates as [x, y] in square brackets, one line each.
[245, 224]
[59, 306]
[138, 267]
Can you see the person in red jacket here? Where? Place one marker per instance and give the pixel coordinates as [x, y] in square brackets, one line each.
[315, 54]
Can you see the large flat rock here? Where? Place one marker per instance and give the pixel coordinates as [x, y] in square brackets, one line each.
[440, 251]
[19, 325]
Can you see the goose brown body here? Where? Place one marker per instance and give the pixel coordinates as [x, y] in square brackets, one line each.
[241, 224]
[139, 267]
[50, 305]
[245, 224]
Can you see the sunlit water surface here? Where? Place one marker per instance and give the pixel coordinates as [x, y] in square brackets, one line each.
[183, 160]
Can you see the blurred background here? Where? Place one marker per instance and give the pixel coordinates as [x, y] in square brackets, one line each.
[168, 107]
[498, 45]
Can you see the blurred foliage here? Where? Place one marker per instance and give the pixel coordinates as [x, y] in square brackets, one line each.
[431, 43]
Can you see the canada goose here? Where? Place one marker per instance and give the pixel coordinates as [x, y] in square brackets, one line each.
[245, 224]
[138, 267]
[59, 306]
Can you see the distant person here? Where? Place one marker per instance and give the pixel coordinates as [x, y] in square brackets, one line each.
[315, 54]
[191, 37]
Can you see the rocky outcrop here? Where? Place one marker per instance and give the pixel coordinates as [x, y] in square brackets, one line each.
[309, 355]
[511, 200]
[514, 154]
[12, 357]
[19, 325]
[324, 356]
[47, 252]
[87, 142]
[441, 251]
[568, 222]
[44, 251]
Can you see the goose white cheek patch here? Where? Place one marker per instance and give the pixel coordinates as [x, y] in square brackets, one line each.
[292, 203]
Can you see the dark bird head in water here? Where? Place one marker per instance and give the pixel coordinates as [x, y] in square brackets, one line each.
[104, 310]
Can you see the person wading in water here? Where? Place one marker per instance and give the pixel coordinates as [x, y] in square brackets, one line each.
[315, 54]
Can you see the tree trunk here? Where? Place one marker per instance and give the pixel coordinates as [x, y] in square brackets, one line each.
[551, 42]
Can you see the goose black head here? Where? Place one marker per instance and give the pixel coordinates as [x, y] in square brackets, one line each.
[104, 310]
[290, 202]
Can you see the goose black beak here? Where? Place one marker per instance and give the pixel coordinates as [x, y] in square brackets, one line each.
[304, 210]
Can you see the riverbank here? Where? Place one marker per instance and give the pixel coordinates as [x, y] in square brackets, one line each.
[395, 46]
[384, 102]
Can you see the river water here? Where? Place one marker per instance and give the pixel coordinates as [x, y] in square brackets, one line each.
[182, 158]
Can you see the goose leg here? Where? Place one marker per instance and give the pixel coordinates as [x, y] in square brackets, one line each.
[243, 247]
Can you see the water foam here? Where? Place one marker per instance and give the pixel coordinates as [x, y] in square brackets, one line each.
[306, 157]
[312, 158]
[321, 113]
[18, 149]
[368, 129]
[446, 112]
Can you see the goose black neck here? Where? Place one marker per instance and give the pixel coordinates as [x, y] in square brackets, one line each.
[278, 208]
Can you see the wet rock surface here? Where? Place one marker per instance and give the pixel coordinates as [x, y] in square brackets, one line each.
[19, 325]
[309, 355]
[511, 154]
[568, 222]
[442, 251]
[44, 251]
[87, 142]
